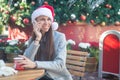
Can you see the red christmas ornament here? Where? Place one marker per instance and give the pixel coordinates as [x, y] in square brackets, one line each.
[92, 21]
[7, 12]
[46, 3]
[26, 21]
[83, 17]
[13, 18]
[107, 5]
[33, 3]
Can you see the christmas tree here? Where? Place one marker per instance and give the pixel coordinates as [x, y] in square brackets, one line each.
[16, 11]
[97, 12]
[104, 12]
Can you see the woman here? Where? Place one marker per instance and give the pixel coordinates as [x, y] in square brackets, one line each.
[47, 49]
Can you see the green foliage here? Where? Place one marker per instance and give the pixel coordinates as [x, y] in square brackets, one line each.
[94, 52]
[12, 46]
[16, 11]
[69, 46]
[64, 9]
[84, 49]
[12, 49]
[1, 29]
[92, 48]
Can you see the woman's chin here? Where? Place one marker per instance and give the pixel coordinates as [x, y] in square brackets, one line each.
[46, 30]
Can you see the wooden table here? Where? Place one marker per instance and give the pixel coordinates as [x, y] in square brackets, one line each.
[31, 74]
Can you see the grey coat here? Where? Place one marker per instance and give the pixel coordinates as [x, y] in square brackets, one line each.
[56, 69]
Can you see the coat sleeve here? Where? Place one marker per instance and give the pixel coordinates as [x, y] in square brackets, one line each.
[31, 50]
[58, 64]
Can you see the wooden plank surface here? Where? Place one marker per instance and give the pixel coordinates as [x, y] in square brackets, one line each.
[78, 58]
[30, 74]
[77, 52]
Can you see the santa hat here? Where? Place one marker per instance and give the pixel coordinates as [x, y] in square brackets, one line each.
[45, 10]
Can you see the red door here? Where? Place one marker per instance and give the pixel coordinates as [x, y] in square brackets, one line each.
[111, 54]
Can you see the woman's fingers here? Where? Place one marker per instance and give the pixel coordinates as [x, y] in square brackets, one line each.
[37, 29]
[25, 62]
[30, 65]
[37, 26]
[25, 66]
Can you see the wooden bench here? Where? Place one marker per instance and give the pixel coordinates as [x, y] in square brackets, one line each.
[76, 61]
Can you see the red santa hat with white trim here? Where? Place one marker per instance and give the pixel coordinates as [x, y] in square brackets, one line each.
[46, 10]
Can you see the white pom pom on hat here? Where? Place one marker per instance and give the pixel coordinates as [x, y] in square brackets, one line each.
[46, 10]
[55, 25]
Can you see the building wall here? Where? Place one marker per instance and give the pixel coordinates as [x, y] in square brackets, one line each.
[84, 32]
[78, 32]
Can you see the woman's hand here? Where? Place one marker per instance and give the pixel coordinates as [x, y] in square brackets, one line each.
[26, 63]
[36, 29]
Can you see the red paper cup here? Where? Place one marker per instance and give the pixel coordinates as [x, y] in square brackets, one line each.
[17, 66]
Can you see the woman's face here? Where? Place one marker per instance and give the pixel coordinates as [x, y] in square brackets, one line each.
[44, 22]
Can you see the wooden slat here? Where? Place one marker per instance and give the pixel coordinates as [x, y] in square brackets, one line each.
[77, 52]
[77, 68]
[76, 73]
[78, 63]
[78, 58]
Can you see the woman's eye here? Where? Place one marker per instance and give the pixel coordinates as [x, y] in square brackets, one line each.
[49, 19]
[42, 19]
